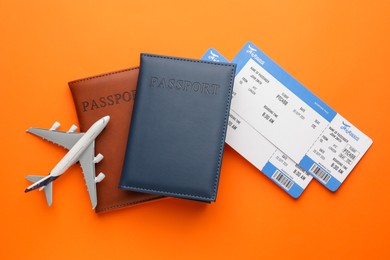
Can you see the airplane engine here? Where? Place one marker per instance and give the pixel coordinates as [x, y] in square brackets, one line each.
[55, 126]
[100, 177]
[72, 129]
[98, 158]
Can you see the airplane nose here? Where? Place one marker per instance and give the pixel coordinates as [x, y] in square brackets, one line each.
[106, 119]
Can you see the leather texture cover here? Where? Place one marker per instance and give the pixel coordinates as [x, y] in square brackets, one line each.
[179, 124]
[109, 94]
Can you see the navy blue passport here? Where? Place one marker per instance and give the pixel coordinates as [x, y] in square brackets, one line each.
[178, 127]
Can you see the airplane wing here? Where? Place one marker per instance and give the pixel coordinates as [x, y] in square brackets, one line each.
[64, 139]
[88, 167]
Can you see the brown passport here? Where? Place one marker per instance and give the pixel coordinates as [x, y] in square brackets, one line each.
[109, 94]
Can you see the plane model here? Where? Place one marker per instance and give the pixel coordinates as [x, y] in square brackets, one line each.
[81, 148]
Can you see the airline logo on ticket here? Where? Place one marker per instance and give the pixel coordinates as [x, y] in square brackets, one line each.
[248, 142]
[294, 120]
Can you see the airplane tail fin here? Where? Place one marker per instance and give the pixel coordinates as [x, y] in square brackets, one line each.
[48, 188]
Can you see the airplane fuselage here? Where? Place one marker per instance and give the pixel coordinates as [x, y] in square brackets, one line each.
[74, 154]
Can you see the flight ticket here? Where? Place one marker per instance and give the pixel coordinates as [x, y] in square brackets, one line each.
[255, 148]
[299, 124]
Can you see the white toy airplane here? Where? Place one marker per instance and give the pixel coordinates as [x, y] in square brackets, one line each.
[81, 149]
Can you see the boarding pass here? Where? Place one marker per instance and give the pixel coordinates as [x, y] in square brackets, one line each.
[255, 148]
[294, 120]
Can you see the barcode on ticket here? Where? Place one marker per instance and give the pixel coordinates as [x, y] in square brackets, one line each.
[321, 174]
[282, 180]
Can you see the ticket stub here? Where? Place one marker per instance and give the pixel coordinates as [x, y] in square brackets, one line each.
[293, 119]
[248, 142]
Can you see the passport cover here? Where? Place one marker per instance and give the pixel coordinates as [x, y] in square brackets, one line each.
[178, 127]
[109, 94]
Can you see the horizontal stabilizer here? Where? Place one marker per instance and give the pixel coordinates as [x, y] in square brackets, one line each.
[48, 188]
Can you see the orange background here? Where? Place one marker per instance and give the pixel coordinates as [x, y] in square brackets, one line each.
[338, 49]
